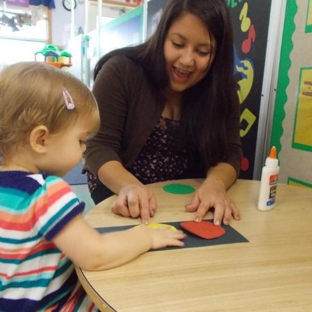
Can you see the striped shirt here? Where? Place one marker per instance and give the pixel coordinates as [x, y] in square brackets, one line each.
[34, 274]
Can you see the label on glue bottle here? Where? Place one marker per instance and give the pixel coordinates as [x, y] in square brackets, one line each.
[268, 184]
[272, 191]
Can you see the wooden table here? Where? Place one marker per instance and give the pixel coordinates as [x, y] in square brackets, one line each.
[271, 272]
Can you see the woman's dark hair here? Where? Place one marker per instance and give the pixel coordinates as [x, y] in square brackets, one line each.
[205, 106]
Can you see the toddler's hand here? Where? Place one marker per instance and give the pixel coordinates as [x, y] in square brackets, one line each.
[165, 236]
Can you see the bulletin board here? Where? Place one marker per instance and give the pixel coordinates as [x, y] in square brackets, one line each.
[251, 24]
[292, 119]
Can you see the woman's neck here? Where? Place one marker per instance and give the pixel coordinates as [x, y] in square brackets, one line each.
[173, 104]
[172, 95]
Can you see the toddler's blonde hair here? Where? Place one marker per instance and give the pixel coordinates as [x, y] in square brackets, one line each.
[31, 94]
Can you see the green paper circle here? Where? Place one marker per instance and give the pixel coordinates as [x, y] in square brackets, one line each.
[179, 189]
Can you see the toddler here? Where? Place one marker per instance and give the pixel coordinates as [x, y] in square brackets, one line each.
[46, 116]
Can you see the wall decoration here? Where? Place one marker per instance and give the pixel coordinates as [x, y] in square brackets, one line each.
[250, 23]
[293, 105]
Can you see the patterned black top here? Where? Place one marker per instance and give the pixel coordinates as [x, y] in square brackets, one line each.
[161, 159]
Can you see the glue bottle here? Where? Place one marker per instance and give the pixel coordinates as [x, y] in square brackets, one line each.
[268, 184]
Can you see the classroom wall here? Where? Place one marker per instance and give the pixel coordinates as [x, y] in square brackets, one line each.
[61, 22]
[61, 19]
[292, 117]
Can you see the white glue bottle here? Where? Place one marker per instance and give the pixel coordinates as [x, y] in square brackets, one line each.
[268, 183]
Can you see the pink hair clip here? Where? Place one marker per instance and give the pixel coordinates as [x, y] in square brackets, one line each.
[68, 99]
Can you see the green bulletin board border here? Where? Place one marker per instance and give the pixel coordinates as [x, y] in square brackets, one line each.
[298, 182]
[284, 66]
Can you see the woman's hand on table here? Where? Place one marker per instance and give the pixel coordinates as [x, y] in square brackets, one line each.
[135, 201]
[212, 194]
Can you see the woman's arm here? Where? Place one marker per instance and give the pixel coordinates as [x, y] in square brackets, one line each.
[224, 173]
[115, 176]
[128, 114]
[127, 117]
[134, 199]
[113, 94]
[212, 194]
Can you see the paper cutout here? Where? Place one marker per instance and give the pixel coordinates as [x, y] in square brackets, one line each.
[231, 236]
[177, 188]
[203, 229]
[159, 225]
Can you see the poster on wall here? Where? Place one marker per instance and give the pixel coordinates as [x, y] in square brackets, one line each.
[251, 24]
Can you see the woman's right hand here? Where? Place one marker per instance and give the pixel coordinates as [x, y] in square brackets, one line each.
[135, 201]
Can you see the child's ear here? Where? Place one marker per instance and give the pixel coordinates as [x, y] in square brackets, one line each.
[38, 139]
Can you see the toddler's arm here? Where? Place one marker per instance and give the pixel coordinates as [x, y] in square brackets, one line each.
[92, 251]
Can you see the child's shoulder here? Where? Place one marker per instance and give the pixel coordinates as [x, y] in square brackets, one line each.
[44, 178]
[50, 183]
[29, 182]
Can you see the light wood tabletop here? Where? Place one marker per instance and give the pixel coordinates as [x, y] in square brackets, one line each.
[270, 272]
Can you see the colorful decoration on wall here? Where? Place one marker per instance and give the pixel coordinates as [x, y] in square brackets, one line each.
[250, 22]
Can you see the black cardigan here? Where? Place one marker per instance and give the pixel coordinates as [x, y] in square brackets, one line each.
[130, 107]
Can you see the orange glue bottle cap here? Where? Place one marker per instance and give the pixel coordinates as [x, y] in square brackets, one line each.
[272, 161]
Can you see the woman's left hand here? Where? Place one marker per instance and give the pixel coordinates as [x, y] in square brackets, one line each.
[212, 194]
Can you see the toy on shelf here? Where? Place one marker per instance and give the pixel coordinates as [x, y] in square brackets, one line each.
[55, 57]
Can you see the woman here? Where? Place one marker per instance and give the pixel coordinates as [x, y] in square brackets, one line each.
[169, 110]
